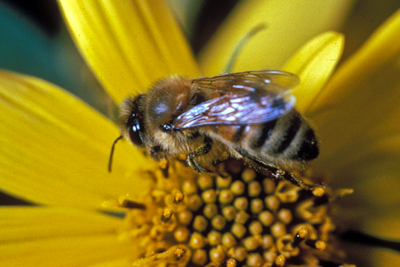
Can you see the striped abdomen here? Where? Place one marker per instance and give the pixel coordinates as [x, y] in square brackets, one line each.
[286, 142]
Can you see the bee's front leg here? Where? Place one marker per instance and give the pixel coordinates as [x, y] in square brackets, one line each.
[160, 155]
[202, 150]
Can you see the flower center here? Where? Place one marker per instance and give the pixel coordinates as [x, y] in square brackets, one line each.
[241, 220]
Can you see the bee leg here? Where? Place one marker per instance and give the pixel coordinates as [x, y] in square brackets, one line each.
[317, 189]
[202, 150]
[159, 154]
[276, 172]
[219, 168]
[164, 167]
[290, 177]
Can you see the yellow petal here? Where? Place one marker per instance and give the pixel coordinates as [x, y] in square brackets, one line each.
[55, 149]
[384, 257]
[359, 105]
[38, 236]
[66, 251]
[128, 44]
[121, 262]
[376, 53]
[32, 223]
[381, 223]
[365, 18]
[386, 227]
[289, 25]
[356, 118]
[314, 64]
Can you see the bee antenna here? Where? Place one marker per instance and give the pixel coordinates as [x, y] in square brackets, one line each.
[112, 152]
[241, 44]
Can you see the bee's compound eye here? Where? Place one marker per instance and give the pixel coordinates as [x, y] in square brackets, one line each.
[135, 130]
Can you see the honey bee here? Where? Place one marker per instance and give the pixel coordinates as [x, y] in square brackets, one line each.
[249, 115]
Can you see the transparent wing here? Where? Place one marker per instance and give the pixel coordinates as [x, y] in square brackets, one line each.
[281, 81]
[249, 97]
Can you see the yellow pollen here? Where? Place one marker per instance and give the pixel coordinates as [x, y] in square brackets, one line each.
[267, 242]
[278, 229]
[223, 182]
[254, 260]
[175, 253]
[238, 230]
[210, 210]
[218, 222]
[167, 214]
[251, 243]
[256, 205]
[254, 189]
[179, 252]
[270, 255]
[266, 218]
[194, 202]
[197, 241]
[231, 263]
[269, 186]
[214, 238]
[200, 223]
[185, 217]
[217, 254]
[163, 163]
[243, 219]
[248, 175]
[225, 196]
[237, 187]
[189, 187]
[205, 182]
[303, 232]
[240, 253]
[228, 240]
[318, 191]
[199, 257]
[241, 203]
[280, 260]
[255, 228]
[209, 196]
[285, 216]
[178, 197]
[321, 245]
[272, 202]
[229, 213]
[181, 234]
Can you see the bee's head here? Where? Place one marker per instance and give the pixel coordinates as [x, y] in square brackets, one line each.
[130, 121]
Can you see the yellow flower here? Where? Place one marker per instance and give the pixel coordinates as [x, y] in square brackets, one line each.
[54, 148]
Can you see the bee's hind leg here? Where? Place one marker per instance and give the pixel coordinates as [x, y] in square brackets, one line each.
[276, 172]
[316, 189]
